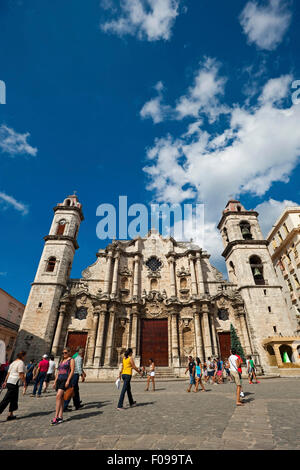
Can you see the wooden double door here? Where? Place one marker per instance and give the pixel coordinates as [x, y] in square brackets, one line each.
[154, 342]
[76, 339]
[225, 344]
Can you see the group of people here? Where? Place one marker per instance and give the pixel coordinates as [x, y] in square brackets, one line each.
[66, 381]
[216, 371]
[70, 369]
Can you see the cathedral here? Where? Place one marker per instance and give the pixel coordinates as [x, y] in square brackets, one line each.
[159, 296]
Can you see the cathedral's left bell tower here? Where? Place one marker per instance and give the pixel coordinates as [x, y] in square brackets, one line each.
[40, 316]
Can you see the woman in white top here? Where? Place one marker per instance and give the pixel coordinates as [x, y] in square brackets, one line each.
[16, 371]
[151, 375]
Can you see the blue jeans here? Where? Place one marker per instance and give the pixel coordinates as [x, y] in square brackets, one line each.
[40, 379]
[126, 388]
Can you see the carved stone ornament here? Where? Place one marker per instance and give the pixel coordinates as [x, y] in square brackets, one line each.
[86, 274]
[185, 322]
[123, 321]
[125, 271]
[183, 272]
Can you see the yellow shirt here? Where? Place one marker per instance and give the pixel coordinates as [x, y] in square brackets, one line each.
[127, 367]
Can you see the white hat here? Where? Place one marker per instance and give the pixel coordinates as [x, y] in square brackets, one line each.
[45, 356]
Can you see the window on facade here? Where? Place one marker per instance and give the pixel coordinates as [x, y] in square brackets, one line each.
[285, 228]
[274, 243]
[269, 309]
[296, 281]
[226, 235]
[280, 236]
[183, 283]
[154, 284]
[81, 313]
[246, 230]
[51, 264]
[290, 285]
[61, 227]
[257, 270]
[153, 263]
[40, 304]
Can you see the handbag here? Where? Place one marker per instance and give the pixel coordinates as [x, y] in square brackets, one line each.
[69, 393]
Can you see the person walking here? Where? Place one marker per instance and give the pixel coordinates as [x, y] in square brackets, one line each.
[3, 370]
[219, 369]
[41, 376]
[16, 372]
[126, 374]
[210, 370]
[151, 376]
[235, 363]
[50, 373]
[198, 371]
[62, 382]
[29, 374]
[240, 374]
[251, 370]
[191, 367]
[78, 372]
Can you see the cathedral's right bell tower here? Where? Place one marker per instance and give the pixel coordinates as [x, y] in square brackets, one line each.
[250, 267]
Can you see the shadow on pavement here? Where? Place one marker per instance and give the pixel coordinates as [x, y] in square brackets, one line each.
[83, 416]
[96, 404]
[37, 413]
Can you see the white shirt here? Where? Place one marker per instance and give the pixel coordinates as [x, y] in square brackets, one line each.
[232, 362]
[14, 370]
[51, 367]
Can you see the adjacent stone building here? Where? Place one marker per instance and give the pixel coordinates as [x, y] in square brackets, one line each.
[284, 247]
[11, 312]
[159, 296]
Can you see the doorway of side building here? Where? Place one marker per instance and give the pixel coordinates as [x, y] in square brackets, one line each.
[225, 344]
[154, 342]
[76, 339]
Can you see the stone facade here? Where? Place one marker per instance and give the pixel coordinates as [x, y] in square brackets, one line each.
[159, 296]
[284, 247]
[11, 311]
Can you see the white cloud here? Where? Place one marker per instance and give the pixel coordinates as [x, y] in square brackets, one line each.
[3, 274]
[147, 19]
[266, 25]
[13, 143]
[201, 98]
[259, 146]
[269, 211]
[9, 201]
[155, 109]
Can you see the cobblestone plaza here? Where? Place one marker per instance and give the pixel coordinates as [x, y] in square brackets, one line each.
[168, 419]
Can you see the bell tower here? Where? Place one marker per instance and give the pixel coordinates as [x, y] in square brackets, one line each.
[40, 316]
[250, 267]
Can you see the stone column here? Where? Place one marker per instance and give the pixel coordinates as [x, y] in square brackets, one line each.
[107, 273]
[200, 274]
[277, 354]
[134, 333]
[62, 311]
[206, 332]
[199, 346]
[92, 342]
[193, 275]
[175, 352]
[248, 349]
[214, 336]
[115, 277]
[172, 276]
[100, 339]
[110, 338]
[136, 277]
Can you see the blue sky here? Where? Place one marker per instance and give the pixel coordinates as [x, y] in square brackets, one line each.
[159, 100]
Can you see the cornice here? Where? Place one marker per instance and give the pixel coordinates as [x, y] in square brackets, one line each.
[63, 238]
[244, 213]
[68, 209]
[243, 242]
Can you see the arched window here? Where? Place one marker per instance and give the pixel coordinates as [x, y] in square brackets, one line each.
[226, 234]
[68, 202]
[61, 227]
[257, 270]
[246, 230]
[51, 264]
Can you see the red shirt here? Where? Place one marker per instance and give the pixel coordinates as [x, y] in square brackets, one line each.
[239, 368]
[43, 365]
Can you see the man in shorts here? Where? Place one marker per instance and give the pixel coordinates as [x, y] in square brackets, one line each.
[211, 366]
[235, 364]
[191, 367]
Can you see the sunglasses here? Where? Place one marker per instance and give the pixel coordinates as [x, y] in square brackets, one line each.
[65, 352]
